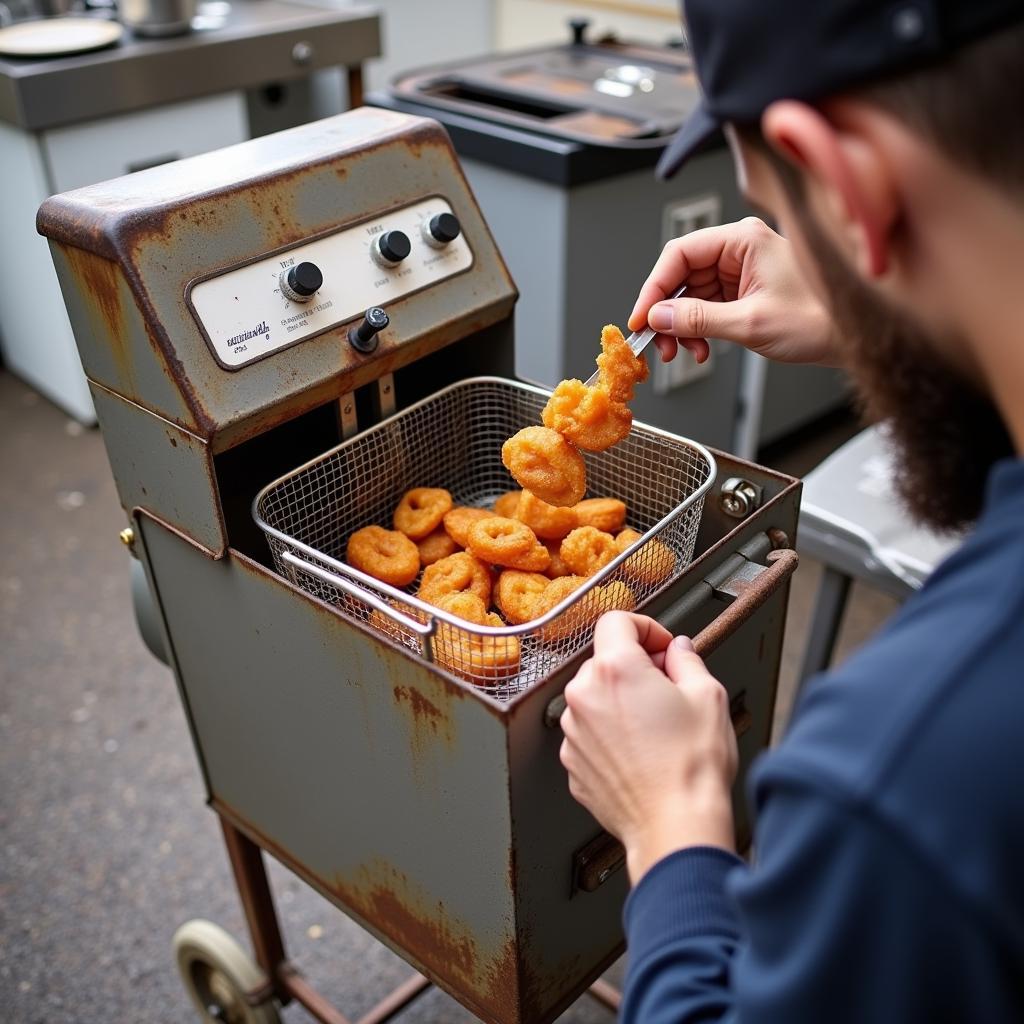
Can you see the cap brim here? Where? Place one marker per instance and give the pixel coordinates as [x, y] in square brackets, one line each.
[699, 127]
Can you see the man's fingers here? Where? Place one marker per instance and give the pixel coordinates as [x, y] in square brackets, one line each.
[668, 347]
[624, 632]
[682, 662]
[695, 318]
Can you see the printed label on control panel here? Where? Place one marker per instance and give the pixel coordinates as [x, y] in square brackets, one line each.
[274, 302]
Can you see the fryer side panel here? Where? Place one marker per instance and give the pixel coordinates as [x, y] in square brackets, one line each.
[386, 782]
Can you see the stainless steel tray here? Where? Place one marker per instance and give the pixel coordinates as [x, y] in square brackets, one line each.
[453, 439]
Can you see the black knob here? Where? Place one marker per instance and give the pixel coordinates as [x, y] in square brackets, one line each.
[394, 246]
[444, 228]
[364, 337]
[579, 27]
[305, 279]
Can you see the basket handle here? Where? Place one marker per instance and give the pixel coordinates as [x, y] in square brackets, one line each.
[754, 585]
[425, 630]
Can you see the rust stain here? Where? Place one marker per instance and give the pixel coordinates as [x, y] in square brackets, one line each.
[487, 981]
[99, 280]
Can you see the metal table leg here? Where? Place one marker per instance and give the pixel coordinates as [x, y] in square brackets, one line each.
[829, 603]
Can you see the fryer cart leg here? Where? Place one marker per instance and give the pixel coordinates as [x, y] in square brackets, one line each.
[606, 995]
[287, 981]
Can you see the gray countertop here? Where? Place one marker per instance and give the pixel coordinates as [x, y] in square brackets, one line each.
[254, 46]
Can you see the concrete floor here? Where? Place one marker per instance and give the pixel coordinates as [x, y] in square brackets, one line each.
[105, 843]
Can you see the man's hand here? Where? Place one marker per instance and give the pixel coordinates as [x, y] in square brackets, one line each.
[649, 744]
[743, 285]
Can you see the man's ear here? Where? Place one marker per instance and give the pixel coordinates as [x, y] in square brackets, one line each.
[845, 171]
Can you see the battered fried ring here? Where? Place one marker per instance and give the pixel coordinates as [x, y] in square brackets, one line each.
[608, 514]
[507, 504]
[386, 555]
[620, 370]
[543, 461]
[571, 619]
[650, 565]
[556, 567]
[485, 660]
[537, 559]
[435, 546]
[587, 551]
[517, 593]
[421, 510]
[500, 541]
[454, 574]
[587, 416]
[459, 520]
[548, 522]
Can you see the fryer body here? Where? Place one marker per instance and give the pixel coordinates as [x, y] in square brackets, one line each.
[439, 819]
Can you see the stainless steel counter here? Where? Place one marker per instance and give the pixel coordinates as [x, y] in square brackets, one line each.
[260, 41]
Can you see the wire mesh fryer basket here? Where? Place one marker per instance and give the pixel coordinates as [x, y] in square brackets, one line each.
[453, 439]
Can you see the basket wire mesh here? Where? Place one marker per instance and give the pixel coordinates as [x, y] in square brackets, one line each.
[453, 440]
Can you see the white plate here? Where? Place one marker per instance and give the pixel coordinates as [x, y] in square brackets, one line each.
[52, 36]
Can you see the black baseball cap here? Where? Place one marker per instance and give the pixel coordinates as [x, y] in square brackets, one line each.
[749, 53]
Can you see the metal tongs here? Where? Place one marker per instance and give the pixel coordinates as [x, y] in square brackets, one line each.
[639, 340]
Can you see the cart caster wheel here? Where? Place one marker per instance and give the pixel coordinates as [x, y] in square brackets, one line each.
[217, 973]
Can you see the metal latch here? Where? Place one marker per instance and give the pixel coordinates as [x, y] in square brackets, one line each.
[740, 497]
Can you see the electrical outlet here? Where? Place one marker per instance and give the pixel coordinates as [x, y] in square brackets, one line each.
[685, 215]
[680, 218]
[683, 370]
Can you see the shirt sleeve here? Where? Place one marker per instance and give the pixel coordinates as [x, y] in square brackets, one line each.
[839, 921]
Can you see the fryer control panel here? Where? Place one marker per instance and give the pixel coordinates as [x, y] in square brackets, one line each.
[276, 301]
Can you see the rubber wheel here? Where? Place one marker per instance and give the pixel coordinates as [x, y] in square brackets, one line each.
[217, 973]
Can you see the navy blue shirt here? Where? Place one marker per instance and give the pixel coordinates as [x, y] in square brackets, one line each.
[889, 882]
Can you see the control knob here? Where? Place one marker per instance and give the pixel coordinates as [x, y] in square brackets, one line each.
[364, 337]
[390, 248]
[441, 229]
[301, 282]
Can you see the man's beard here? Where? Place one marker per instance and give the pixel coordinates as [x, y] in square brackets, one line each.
[945, 432]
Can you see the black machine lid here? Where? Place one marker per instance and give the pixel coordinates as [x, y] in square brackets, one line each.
[606, 93]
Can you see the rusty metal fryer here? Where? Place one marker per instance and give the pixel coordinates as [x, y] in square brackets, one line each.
[432, 811]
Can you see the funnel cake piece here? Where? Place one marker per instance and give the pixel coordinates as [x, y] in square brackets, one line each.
[544, 462]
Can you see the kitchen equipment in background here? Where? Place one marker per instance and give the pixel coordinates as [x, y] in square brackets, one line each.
[156, 19]
[434, 812]
[84, 118]
[54, 37]
[559, 144]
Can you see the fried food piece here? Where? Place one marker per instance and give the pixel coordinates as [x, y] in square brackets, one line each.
[616, 596]
[587, 416]
[548, 522]
[435, 546]
[571, 619]
[480, 659]
[386, 555]
[556, 567]
[507, 504]
[421, 510]
[620, 370]
[650, 565]
[459, 520]
[517, 593]
[508, 543]
[587, 551]
[608, 514]
[544, 462]
[455, 574]
[498, 540]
